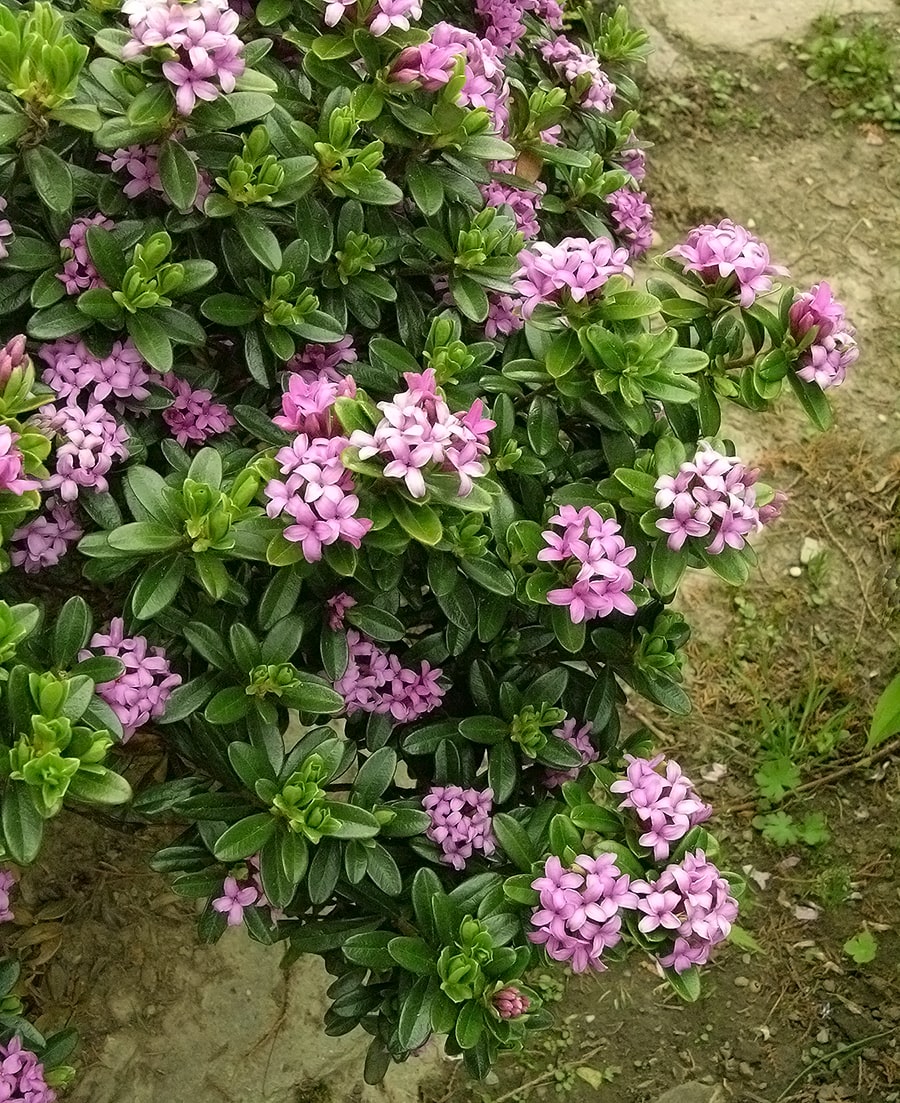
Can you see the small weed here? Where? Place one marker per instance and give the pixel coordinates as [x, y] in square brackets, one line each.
[782, 829]
[860, 68]
[550, 989]
[833, 886]
[817, 571]
[862, 948]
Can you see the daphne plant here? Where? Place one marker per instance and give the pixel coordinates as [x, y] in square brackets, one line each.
[329, 385]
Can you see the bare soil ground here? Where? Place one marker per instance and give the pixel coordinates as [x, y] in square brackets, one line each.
[789, 1020]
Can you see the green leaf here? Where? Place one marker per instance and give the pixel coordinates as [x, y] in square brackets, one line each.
[412, 954]
[369, 949]
[886, 718]
[23, 825]
[230, 310]
[245, 837]
[415, 1015]
[515, 841]
[98, 785]
[144, 538]
[228, 706]
[503, 771]
[313, 697]
[686, 984]
[178, 174]
[813, 400]
[51, 177]
[150, 339]
[375, 775]
[259, 239]
[71, 631]
[667, 568]
[862, 947]
[63, 319]
[188, 698]
[542, 425]
[419, 521]
[470, 297]
[469, 1025]
[376, 623]
[489, 575]
[777, 777]
[425, 187]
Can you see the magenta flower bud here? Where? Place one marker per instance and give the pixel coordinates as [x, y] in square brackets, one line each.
[12, 356]
[431, 66]
[484, 71]
[571, 63]
[509, 1003]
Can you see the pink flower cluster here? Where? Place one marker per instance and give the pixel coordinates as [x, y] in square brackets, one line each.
[632, 220]
[45, 539]
[306, 404]
[194, 415]
[592, 548]
[510, 1003]
[580, 740]
[666, 804]
[88, 442]
[460, 822]
[323, 362]
[572, 270]
[6, 230]
[419, 433]
[593, 87]
[729, 252]
[12, 465]
[141, 691]
[202, 35]
[523, 202]
[712, 495]
[834, 348]
[504, 316]
[338, 604]
[317, 494]
[692, 900]
[79, 273]
[485, 75]
[384, 14]
[376, 681]
[73, 371]
[238, 895]
[12, 356]
[579, 914]
[7, 883]
[504, 19]
[22, 1075]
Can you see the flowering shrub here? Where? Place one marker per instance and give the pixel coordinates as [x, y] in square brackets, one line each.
[328, 388]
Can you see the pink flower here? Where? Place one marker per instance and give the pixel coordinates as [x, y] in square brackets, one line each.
[45, 539]
[12, 467]
[429, 65]
[325, 361]
[194, 416]
[834, 349]
[632, 220]
[393, 13]
[486, 84]
[22, 1075]
[6, 231]
[88, 443]
[79, 273]
[139, 694]
[377, 682]
[731, 253]
[234, 900]
[582, 70]
[579, 912]
[573, 270]
[713, 496]
[666, 805]
[72, 370]
[523, 203]
[460, 822]
[504, 316]
[580, 740]
[337, 608]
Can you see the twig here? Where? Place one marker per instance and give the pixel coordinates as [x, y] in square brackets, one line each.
[841, 1051]
[863, 589]
[642, 718]
[858, 763]
[549, 1074]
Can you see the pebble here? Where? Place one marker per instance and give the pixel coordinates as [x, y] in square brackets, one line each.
[795, 572]
[809, 549]
[741, 982]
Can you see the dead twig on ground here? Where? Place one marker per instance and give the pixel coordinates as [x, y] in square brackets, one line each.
[861, 762]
